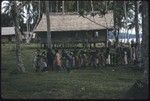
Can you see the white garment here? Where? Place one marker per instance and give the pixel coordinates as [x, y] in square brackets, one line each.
[43, 64]
[73, 61]
[108, 59]
[125, 58]
[133, 53]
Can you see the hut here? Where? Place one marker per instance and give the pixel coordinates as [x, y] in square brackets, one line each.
[73, 28]
[7, 34]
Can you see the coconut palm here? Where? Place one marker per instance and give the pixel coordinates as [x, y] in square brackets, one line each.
[14, 12]
[33, 17]
[15, 9]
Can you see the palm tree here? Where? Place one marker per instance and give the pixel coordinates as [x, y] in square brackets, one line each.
[136, 29]
[136, 21]
[14, 13]
[15, 9]
[28, 7]
[33, 15]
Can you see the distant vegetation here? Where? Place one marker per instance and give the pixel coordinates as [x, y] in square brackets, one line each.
[122, 35]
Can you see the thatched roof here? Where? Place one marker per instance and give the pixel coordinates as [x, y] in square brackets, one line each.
[75, 22]
[7, 31]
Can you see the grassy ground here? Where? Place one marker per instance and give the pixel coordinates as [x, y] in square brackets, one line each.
[102, 83]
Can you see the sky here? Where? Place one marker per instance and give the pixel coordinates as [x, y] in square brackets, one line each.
[132, 31]
[2, 5]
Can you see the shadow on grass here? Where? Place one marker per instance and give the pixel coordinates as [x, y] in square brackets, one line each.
[138, 91]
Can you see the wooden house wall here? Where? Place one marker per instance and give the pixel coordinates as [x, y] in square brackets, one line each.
[75, 37]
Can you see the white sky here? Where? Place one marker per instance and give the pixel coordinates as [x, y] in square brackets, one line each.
[132, 31]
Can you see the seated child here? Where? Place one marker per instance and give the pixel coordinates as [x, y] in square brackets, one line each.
[43, 65]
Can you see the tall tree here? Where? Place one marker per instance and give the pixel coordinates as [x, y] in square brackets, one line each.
[77, 6]
[28, 23]
[33, 17]
[15, 9]
[63, 7]
[145, 38]
[49, 43]
[14, 13]
[136, 21]
[137, 28]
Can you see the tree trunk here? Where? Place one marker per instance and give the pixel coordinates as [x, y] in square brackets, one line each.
[145, 39]
[63, 10]
[92, 6]
[115, 23]
[49, 43]
[39, 16]
[28, 36]
[126, 28]
[136, 21]
[137, 29]
[19, 62]
[77, 6]
[56, 6]
[127, 35]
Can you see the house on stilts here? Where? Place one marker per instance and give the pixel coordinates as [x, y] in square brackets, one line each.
[70, 29]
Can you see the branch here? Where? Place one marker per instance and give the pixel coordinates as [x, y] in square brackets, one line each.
[38, 18]
[94, 21]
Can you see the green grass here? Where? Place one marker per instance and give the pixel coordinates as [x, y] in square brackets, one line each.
[89, 83]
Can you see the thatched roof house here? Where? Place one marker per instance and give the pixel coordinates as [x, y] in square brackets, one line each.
[5, 31]
[66, 28]
[75, 22]
[7, 34]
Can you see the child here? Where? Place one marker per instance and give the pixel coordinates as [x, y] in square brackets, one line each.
[58, 62]
[37, 65]
[43, 65]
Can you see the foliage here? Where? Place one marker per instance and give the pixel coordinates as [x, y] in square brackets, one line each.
[31, 7]
[6, 20]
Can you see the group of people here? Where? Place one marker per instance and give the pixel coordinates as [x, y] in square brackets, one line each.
[69, 59]
[123, 53]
